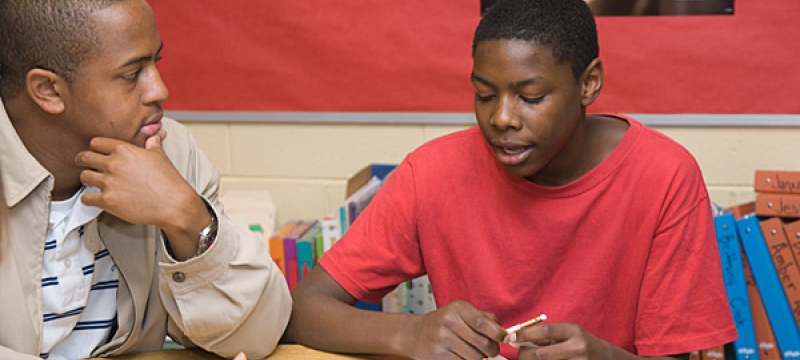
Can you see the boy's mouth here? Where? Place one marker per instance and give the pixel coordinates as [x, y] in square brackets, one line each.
[512, 155]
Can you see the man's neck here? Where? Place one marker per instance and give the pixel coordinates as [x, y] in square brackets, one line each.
[46, 143]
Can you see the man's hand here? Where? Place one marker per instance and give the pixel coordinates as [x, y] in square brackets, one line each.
[455, 331]
[136, 184]
[141, 186]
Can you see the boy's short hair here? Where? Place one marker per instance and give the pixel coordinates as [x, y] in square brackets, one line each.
[55, 35]
[566, 26]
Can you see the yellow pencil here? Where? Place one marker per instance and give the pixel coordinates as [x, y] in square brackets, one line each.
[530, 322]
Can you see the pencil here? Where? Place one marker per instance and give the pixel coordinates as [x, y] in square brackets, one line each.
[530, 322]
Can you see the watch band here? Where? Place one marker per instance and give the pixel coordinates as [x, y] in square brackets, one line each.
[208, 234]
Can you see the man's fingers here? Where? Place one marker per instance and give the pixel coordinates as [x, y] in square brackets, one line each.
[104, 145]
[92, 178]
[153, 142]
[92, 199]
[90, 160]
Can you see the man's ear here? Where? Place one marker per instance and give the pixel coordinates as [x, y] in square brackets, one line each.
[46, 89]
[591, 82]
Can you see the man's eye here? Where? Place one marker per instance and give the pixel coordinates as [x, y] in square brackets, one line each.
[131, 75]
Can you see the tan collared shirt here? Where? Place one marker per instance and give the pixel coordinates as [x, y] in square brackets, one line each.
[232, 298]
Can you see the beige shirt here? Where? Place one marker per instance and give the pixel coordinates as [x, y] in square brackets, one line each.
[232, 298]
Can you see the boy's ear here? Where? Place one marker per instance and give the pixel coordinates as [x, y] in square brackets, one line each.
[591, 82]
[46, 89]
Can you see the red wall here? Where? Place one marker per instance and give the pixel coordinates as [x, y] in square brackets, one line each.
[414, 55]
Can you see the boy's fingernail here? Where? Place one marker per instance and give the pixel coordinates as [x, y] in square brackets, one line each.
[512, 337]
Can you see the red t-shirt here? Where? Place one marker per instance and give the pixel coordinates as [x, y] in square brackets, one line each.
[628, 251]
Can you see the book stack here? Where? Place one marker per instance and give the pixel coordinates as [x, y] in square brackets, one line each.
[296, 245]
[777, 193]
[293, 248]
[763, 285]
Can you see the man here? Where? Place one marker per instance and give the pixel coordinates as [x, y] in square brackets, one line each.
[594, 220]
[116, 235]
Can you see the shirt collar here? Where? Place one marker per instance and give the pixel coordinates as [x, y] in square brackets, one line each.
[20, 172]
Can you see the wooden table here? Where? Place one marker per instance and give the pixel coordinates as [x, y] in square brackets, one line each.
[283, 352]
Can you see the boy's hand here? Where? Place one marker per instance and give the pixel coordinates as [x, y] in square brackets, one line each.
[566, 341]
[240, 356]
[563, 341]
[455, 331]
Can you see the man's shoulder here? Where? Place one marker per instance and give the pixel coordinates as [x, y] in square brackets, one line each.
[173, 126]
[178, 135]
[180, 145]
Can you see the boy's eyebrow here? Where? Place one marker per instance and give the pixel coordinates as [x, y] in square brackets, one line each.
[141, 58]
[518, 84]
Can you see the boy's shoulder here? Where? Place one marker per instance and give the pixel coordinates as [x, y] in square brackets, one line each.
[452, 142]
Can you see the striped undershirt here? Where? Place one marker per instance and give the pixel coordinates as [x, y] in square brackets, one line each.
[79, 288]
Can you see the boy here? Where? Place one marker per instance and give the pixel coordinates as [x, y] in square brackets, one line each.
[116, 235]
[598, 222]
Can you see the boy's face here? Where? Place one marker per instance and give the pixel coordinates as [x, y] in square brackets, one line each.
[528, 107]
[118, 91]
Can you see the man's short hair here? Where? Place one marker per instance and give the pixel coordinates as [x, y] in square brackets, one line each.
[55, 35]
[565, 26]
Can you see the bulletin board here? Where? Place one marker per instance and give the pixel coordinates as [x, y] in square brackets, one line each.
[415, 56]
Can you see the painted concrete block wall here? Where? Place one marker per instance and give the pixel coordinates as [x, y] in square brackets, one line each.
[305, 166]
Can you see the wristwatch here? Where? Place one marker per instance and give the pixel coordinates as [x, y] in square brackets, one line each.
[208, 234]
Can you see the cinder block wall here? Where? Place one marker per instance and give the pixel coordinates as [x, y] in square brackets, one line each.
[305, 166]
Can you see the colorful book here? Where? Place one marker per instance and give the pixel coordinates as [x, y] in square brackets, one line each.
[769, 286]
[777, 181]
[290, 252]
[745, 346]
[779, 205]
[767, 346]
[365, 175]
[359, 200]
[784, 261]
[715, 353]
[344, 217]
[331, 232]
[305, 250]
[740, 210]
[276, 245]
[792, 231]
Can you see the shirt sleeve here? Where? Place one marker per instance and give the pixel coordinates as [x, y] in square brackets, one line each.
[232, 297]
[6, 353]
[381, 248]
[683, 304]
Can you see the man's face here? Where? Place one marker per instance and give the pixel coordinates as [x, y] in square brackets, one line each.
[528, 107]
[118, 91]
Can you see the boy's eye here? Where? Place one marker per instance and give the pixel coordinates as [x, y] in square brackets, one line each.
[531, 100]
[486, 98]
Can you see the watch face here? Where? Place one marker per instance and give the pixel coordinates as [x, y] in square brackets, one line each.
[208, 234]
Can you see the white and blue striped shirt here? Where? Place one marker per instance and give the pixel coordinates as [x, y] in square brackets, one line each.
[79, 288]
